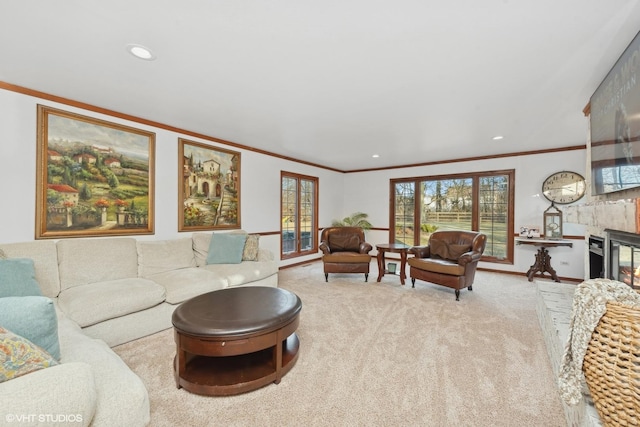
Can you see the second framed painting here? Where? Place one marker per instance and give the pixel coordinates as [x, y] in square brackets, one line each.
[209, 191]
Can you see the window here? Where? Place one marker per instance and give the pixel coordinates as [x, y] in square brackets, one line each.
[477, 201]
[299, 215]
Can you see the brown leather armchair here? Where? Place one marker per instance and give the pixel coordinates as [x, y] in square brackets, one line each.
[450, 259]
[345, 251]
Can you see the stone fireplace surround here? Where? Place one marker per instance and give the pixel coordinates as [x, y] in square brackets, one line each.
[598, 216]
[555, 300]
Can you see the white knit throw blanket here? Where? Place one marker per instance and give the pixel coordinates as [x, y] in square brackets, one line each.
[589, 305]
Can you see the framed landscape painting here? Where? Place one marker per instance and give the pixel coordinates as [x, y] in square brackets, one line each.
[209, 190]
[94, 178]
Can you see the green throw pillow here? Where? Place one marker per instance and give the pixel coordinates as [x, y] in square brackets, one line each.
[19, 356]
[18, 278]
[226, 248]
[34, 318]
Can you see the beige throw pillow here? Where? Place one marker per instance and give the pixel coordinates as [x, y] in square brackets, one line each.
[251, 246]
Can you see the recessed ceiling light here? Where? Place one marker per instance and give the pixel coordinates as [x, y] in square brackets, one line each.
[498, 137]
[141, 52]
[375, 156]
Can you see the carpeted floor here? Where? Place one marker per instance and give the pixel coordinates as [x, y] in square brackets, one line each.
[382, 354]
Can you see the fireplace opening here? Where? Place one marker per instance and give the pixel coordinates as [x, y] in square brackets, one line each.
[596, 257]
[624, 257]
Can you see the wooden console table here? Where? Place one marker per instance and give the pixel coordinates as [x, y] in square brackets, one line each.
[543, 260]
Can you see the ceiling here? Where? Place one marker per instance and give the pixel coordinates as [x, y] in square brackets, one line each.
[331, 82]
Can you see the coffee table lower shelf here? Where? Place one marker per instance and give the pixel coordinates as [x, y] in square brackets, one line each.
[229, 375]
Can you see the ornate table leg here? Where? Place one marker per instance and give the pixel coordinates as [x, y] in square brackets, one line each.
[547, 265]
[380, 264]
[403, 262]
[542, 265]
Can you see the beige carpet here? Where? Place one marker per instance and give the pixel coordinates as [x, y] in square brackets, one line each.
[381, 354]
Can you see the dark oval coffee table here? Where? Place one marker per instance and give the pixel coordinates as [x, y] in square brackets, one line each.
[235, 340]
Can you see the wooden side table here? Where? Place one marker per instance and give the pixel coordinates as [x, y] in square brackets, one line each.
[399, 248]
[543, 260]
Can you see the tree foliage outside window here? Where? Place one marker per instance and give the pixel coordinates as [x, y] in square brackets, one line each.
[476, 201]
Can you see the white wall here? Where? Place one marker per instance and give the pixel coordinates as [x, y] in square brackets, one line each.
[340, 194]
[260, 178]
[369, 192]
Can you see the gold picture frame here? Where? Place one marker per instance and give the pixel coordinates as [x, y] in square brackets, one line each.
[94, 177]
[209, 190]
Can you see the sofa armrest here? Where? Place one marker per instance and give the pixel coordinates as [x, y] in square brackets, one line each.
[68, 388]
[265, 254]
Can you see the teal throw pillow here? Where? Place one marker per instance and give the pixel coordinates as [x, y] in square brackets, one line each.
[34, 318]
[226, 248]
[18, 278]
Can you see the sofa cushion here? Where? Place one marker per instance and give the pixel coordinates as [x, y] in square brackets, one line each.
[18, 278]
[226, 248]
[68, 388]
[96, 302]
[245, 272]
[45, 259]
[34, 318]
[187, 283]
[201, 242]
[19, 356]
[84, 261]
[251, 248]
[165, 255]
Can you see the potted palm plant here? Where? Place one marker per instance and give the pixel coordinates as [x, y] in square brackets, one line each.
[358, 219]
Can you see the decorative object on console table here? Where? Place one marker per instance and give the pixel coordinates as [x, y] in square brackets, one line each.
[553, 223]
[94, 178]
[530, 231]
[209, 190]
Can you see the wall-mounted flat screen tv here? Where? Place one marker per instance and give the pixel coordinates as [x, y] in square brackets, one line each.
[615, 125]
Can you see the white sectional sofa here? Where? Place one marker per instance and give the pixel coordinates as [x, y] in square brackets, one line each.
[109, 291]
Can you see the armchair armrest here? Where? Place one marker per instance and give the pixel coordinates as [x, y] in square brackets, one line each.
[420, 251]
[365, 248]
[324, 247]
[468, 257]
